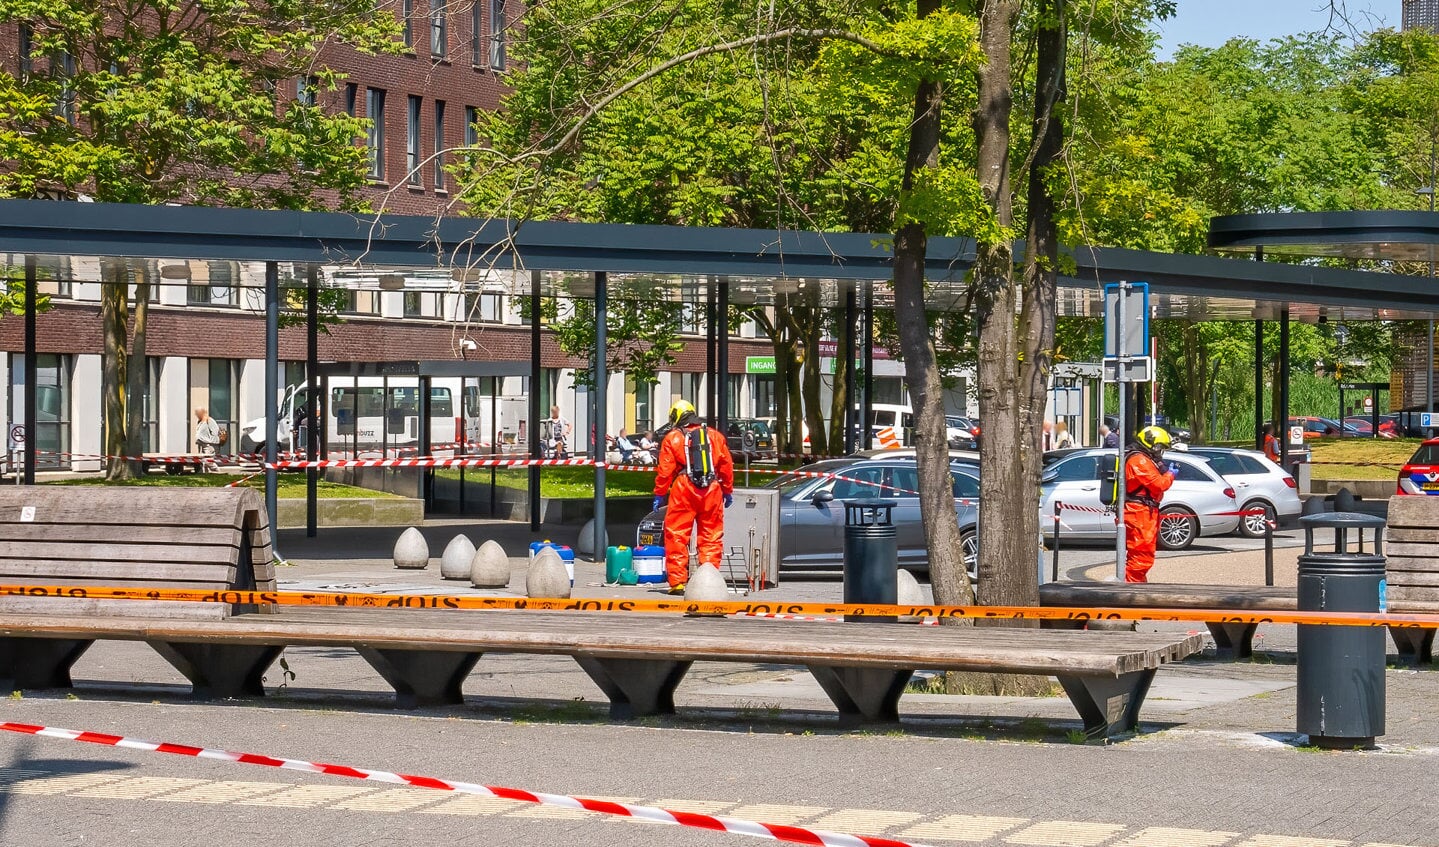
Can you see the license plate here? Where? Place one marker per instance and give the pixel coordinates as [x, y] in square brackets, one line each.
[1430, 486]
[647, 539]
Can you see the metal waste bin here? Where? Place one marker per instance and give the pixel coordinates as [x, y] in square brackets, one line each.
[1341, 668]
[871, 555]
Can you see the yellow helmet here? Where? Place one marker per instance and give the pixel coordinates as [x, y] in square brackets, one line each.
[681, 410]
[1154, 439]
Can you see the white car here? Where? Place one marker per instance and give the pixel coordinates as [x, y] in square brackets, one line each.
[1200, 502]
[1258, 483]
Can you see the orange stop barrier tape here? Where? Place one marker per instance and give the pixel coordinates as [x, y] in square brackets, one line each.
[533, 604]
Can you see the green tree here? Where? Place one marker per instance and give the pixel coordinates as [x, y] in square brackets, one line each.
[193, 101]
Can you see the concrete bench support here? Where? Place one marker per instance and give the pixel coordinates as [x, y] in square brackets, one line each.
[219, 671]
[422, 677]
[1416, 646]
[863, 694]
[1108, 705]
[636, 687]
[39, 662]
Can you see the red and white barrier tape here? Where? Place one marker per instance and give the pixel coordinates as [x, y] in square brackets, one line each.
[715, 823]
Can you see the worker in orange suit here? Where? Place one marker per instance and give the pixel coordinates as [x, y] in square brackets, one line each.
[696, 474]
[1146, 478]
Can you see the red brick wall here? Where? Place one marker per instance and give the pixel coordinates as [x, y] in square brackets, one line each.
[75, 328]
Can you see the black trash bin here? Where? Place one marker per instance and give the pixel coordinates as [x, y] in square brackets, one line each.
[1341, 668]
[871, 555]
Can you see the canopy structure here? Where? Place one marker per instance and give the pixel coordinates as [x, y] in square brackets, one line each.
[715, 266]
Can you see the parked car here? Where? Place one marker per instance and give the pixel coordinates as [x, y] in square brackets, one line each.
[1258, 484]
[1316, 427]
[963, 433]
[763, 439]
[1364, 426]
[1420, 475]
[1199, 503]
[811, 518]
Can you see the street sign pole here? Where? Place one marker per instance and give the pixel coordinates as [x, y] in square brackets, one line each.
[1119, 351]
[1126, 311]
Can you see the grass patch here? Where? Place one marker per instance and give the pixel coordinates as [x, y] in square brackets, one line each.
[290, 485]
[1361, 458]
[563, 481]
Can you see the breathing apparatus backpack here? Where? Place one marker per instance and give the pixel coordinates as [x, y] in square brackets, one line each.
[699, 457]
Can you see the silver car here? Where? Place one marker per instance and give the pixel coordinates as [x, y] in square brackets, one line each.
[1258, 483]
[1200, 502]
[811, 517]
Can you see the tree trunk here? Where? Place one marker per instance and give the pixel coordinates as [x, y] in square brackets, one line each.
[114, 314]
[813, 409]
[840, 399]
[1197, 382]
[936, 486]
[137, 378]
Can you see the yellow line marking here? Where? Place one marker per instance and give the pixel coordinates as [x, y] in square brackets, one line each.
[393, 800]
[308, 796]
[470, 804]
[864, 821]
[225, 792]
[9, 775]
[1066, 834]
[1291, 841]
[1160, 836]
[138, 788]
[963, 828]
[63, 784]
[773, 813]
[699, 807]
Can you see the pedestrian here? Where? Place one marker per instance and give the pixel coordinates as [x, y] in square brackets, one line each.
[1146, 478]
[1271, 444]
[207, 433]
[1046, 438]
[1108, 438]
[1062, 440]
[696, 478]
[559, 434]
[624, 446]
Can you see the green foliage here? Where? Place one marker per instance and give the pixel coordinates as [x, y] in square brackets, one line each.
[194, 101]
[642, 330]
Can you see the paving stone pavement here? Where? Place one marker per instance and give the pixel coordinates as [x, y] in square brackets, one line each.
[1216, 765]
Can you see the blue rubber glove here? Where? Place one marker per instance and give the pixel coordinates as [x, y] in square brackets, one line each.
[658, 503]
[728, 500]
[1173, 469]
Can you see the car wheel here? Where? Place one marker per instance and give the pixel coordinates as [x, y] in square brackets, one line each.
[1177, 529]
[1253, 526]
[969, 552]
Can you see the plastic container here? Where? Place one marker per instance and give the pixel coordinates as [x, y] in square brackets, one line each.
[566, 553]
[616, 560]
[649, 564]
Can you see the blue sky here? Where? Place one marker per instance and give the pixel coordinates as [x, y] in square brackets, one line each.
[1212, 22]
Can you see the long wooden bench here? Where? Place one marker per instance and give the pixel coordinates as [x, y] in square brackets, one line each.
[638, 660]
[1231, 640]
[1411, 569]
[196, 538]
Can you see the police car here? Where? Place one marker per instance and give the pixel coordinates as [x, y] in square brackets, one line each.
[1420, 475]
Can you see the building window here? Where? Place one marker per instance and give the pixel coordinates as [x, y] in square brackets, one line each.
[483, 307]
[52, 406]
[375, 135]
[439, 30]
[215, 385]
[477, 34]
[439, 162]
[497, 34]
[407, 11]
[150, 412]
[412, 141]
[362, 302]
[414, 304]
[27, 46]
[351, 92]
[306, 88]
[65, 63]
[212, 286]
[472, 129]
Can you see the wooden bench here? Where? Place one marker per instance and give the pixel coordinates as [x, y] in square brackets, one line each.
[637, 660]
[71, 536]
[1231, 640]
[1411, 569]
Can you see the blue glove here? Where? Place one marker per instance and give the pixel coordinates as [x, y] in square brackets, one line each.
[1173, 469]
[728, 500]
[659, 502]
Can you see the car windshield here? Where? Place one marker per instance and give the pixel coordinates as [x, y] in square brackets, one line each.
[1427, 454]
[757, 427]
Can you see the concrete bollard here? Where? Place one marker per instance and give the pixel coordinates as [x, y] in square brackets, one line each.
[706, 585]
[455, 563]
[490, 567]
[909, 593]
[585, 544]
[412, 552]
[547, 577]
